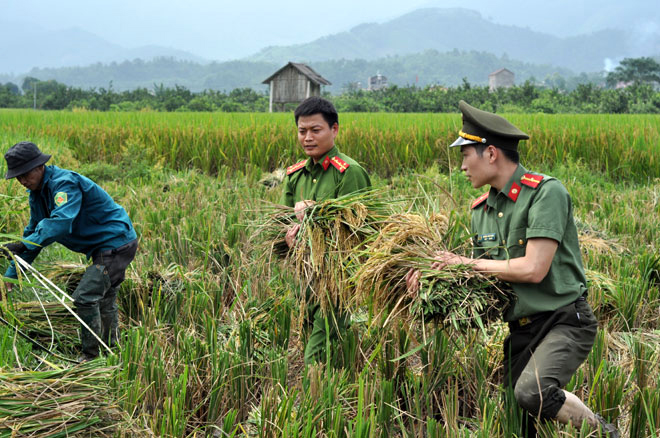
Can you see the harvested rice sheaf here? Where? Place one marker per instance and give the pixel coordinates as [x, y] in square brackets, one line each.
[65, 275]
[595, 241]
[456, 295]
[46, 321]
[327, 252]
[63, 402]
[353, 251]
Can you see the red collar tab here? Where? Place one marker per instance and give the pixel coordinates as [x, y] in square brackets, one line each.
[340, 164]
[531, 180]
[325, 163]
[296, 167]
[514, 192]
[477, 202]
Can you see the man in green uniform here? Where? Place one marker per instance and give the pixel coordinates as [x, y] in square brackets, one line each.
[524, 233]
[326, 174]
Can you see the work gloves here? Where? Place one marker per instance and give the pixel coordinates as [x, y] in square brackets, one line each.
[14, 248]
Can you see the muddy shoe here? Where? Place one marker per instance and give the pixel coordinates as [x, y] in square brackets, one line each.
[607, 429]
[85, 358]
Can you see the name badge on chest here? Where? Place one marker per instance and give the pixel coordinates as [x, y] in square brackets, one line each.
[490, 237]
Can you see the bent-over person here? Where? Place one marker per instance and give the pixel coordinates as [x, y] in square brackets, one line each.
[71, 209]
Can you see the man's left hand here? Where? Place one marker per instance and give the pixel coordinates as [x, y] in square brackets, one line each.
[446, 258]
[300, 208]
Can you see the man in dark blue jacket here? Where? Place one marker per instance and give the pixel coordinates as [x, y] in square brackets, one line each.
[71, 209]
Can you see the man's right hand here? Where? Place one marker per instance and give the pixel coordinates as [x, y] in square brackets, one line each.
[291, 234]
[13, 248]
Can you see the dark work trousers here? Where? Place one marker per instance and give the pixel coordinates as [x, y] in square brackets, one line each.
[541, 357]
[95, 297]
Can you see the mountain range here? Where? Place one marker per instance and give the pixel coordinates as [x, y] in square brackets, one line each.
[26, 46]
[456, 28]
[426, 46]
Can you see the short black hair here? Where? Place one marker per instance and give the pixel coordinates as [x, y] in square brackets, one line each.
[317, 105]
[512, 155]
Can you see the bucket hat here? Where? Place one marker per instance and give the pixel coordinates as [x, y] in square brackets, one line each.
[22, 158]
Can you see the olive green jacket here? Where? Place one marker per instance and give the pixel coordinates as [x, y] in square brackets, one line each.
[531, 206]
[335, 174]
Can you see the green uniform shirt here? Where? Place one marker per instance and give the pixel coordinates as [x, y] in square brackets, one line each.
[531, 206]
[323, 180]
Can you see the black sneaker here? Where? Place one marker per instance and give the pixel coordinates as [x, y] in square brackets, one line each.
[607, 429]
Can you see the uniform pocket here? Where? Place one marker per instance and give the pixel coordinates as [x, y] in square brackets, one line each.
[584, 314]
[516, 243]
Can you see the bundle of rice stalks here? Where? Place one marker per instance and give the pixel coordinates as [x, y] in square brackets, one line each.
[456, 295]
[273, 179]
[593, 241]
[65, 275]
[45, 322]
[326, 251]
[58, 403]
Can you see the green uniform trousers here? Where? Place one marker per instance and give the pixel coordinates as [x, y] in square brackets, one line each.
[338, 323]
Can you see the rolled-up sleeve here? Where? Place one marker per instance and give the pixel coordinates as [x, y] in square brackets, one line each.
[549, 213]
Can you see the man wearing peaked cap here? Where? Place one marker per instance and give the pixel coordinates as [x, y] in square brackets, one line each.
[482, 127]
[325, 174]
[524, 233]
[71, 209]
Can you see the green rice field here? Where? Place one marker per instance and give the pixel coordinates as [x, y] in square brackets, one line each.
[211, 342]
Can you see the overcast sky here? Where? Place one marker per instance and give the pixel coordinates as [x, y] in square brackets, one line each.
[222, 30]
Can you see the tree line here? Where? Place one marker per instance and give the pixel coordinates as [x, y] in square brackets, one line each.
[633, 87]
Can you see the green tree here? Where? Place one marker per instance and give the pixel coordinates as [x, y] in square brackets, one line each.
[28, 84]
[643, 70]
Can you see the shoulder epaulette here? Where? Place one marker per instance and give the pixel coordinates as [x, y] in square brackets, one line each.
[531, 180]
[340, 164]
[296, 167]
[477, 202]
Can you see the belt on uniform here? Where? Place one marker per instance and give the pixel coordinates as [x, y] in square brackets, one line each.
[114, 250]
[526, 320]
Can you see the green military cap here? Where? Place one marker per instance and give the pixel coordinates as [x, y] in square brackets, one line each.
[487, 128]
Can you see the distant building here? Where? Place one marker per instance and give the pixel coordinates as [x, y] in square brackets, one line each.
[623, 84]
[293, 83]
[502, 78]
[377, 82]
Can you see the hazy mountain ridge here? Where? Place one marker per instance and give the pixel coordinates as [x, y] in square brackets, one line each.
[23, 43]
[421, 69]
[426, 46]
[462, 29]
